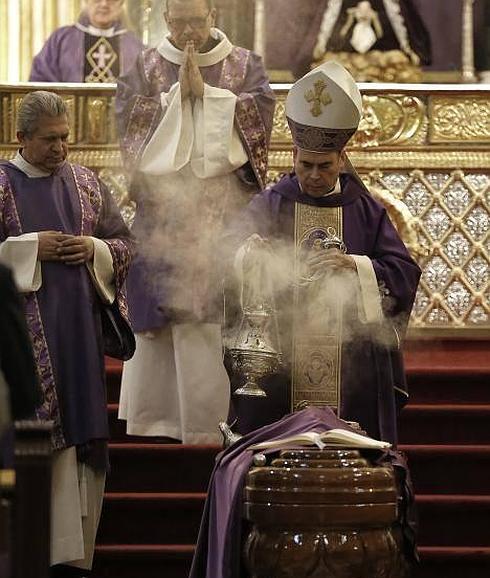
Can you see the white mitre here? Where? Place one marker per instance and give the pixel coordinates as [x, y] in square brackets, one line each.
[323, 108]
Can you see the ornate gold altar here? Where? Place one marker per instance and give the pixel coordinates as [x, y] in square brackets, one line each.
[423, 150]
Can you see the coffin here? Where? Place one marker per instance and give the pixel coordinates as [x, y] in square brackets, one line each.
[323, 514]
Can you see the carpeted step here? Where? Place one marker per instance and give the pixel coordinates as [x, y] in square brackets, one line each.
[419, 424]
[435, 385]
[117, 427]
[447, 371]
[143, 561]
[113, 371]
[451, 469]
[160, 468]
[454, 520]
[437, 372]
[438, 355]
[156, 489]
[451, 520]
[156, 518]
[445, 424]
[446, 562]
[449, 386]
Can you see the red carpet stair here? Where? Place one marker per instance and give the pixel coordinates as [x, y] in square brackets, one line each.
[156, 491]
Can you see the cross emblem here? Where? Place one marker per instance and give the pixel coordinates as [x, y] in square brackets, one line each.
[102, 56]
[318, 96]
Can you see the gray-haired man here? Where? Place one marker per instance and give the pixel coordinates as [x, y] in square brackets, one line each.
[69, 250]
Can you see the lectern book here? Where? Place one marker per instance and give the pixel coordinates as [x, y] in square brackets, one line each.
[332, 438]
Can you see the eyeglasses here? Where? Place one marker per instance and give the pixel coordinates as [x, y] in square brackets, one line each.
[194, 23]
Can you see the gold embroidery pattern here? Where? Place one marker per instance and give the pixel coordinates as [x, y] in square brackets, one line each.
[316, 358]
[101, 57]
[318, 97]
[463, 120]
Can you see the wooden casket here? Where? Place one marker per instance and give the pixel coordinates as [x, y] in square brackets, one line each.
[322, 514]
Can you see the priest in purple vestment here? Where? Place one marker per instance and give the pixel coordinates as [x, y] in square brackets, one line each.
[98, 48]
[69, 250]
[195, 117]
[344, 281]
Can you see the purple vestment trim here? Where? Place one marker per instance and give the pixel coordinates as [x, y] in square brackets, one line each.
[143, 120]
[90, 195]
[50, 409]
[146, 112]
[121, 258]
[248, 117]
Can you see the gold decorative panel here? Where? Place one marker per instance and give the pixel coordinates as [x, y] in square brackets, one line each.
[451, 214]
[390, 119]
[454, 120]
[425, 153]
[280, 128]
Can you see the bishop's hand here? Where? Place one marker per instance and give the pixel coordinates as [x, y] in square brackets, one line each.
[330, 260]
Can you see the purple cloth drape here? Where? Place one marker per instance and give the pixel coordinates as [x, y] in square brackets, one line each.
[219, 546]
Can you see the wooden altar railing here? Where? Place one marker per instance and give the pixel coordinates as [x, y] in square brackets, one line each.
[420, 148]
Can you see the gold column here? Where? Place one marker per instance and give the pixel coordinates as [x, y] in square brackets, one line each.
[26, 7]
[467, 57]
[50, 20]
[145, 24]
[4, 42]
[260, 39]
[76, 9]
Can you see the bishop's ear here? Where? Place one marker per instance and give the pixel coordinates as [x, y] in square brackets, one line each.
[342, 158]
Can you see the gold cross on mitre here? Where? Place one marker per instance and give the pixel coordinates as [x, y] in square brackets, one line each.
[318, 96]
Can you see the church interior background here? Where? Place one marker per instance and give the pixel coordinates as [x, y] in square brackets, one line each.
[425, 146]
[423, 149]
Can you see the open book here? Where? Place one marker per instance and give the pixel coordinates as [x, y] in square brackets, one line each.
[334, 437]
